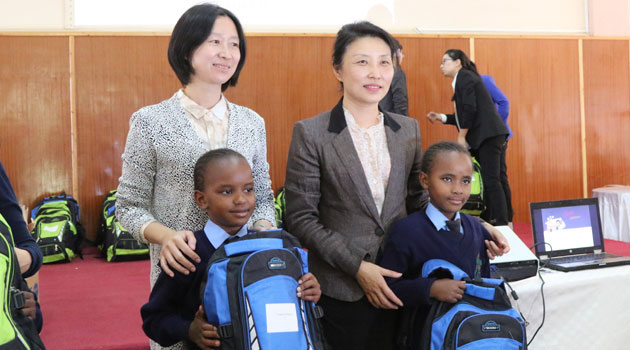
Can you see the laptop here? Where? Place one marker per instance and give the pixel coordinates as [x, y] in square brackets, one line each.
[518, 263]
[568, 235]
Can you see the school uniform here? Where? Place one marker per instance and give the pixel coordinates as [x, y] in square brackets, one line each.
[423, 236]
[173, 302]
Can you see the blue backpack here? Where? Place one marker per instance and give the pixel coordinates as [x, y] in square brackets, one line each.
[483, 319]
[249, 293]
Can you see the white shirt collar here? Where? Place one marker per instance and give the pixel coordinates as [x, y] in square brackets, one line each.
[438, 219]
[197, 111]
[352, 123]
[217, 235]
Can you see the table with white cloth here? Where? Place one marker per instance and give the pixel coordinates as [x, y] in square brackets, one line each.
[614, 209]
[588, 309]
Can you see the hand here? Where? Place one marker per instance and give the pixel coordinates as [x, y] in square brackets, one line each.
[499, 244]
[433, 117]
[370, 278]
[30, 306]
[24, 259]
[448, 290]
[202, 333]
[262, 225]
[309, 288]
[171, 255]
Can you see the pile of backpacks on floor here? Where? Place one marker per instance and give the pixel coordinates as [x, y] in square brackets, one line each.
[58, 231]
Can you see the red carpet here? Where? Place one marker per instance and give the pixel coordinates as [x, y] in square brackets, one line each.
[92, 304]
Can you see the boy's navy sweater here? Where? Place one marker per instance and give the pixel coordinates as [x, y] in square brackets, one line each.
[174, 301]
[414, 240]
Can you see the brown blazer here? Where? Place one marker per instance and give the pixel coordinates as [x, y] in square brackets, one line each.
[329, 205]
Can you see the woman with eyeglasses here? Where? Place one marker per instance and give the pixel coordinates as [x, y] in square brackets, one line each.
[479, 127]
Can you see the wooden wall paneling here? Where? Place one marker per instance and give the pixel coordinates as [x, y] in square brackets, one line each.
[115, 76]
[541, 79]
[428, 89]
[35, 143]
[607, 105]
[286, 79]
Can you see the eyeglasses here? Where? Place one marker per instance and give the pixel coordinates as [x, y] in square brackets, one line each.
[446, 60]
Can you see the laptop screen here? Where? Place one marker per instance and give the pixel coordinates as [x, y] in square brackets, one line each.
[566, 227]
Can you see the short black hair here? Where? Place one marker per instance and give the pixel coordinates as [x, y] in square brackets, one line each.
[353, 31]
[191, 30]
[457, 54]
[428, 159]
[208, 158]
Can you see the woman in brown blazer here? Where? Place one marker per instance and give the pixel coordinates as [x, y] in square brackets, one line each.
[351, 172]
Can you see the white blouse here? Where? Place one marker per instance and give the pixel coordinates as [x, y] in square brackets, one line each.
[371, 145]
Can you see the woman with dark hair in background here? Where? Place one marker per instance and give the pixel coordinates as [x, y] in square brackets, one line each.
[480, 128]
[154, 200]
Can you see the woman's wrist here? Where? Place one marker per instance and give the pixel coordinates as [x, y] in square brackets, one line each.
[157, 233]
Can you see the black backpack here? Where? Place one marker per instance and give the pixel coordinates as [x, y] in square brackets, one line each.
[249, 293]
[483, 319]
[114, 241]
[57, 228]
[17, 331]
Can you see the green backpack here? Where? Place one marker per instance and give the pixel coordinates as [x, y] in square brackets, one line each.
[475, 206]
[115, 242]
[57, 229]
[17, 331]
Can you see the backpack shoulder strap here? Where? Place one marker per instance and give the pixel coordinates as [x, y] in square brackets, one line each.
[434, 265]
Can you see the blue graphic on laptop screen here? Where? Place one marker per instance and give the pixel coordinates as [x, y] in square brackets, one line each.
[567, 227]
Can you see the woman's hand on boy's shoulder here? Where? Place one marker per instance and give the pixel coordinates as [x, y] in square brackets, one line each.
[176, 251]
[308, 288]
[262, 225]
[202, 333]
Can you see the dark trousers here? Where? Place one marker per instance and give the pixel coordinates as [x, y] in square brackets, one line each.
[505, 183]
[357, 325]
[489, 157]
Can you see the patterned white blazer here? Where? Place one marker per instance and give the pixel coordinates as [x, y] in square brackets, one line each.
[158, 164]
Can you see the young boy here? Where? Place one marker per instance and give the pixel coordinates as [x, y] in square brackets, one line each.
[224, 188]
[446, 172]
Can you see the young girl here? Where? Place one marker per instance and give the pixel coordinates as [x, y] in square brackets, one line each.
[436, 233]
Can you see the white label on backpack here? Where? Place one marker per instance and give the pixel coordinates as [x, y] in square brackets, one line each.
[51, 228]
[281, 318]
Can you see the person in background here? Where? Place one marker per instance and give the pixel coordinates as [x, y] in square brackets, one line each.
[479, 127]
[396, 100]
[27, 251]
[502, 104]
[154, 200]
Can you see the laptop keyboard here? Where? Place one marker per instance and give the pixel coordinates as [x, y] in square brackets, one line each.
[577, 258]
